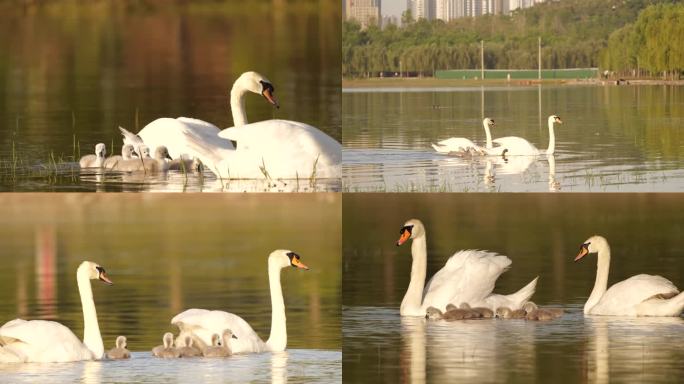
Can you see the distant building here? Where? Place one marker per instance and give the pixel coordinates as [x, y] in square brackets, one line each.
[453, 9]
[366, 12]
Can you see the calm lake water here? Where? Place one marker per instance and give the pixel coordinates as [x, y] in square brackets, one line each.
[626, 139]
[71, 73]
[162, 261]
[541, 234]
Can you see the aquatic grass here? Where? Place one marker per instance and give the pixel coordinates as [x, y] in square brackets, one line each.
[263, 169]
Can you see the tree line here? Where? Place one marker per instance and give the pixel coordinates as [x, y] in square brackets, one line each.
[574, 34]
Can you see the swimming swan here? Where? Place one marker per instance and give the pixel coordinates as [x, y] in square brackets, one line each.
[640, 295]
[127, 153]
[272, 148]
[119, 351]
[219, 347]
[467, 277]
[203, 324]
[461, 144]
[94, 161]
[41, 341]
[166, 350]
[517, 146]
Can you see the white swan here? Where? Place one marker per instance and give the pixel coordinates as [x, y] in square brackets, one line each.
[640, 295]
[49, 341]
[272, 148]
[203, 324]
[517, 146]
[127, 153]
[94, 161]
[160, 162]
[461, 144]
[467, 277]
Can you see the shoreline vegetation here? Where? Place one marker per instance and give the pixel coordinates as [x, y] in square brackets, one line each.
[433, 82]
[621, 38]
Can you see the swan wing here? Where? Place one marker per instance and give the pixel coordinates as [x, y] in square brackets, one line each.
[623, 297]
[42, 341]
[468, 276]
[204, 323]
[516, 146]
[286, 149]
[175, 134]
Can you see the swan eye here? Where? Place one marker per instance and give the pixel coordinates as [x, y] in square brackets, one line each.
[408, 228]
[265, 86]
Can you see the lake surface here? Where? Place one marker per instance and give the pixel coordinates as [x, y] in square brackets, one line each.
[622, 139]
[70, 74]
[541, 234]
[168, 253]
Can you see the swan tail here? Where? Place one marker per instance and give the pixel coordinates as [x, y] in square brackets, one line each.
[132, 139]
[440, 148]
[198, 151]
[524, 294]
[662, 305]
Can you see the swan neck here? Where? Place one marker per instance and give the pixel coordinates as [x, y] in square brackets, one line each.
[489, 144]
[237, 105]
[601, 283]
[413, 298]
[277, 341]
[91, 329]
[552, 140]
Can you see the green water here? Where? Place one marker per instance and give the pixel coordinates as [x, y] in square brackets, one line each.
[625, 139]
[71, 73]
[166, 254]
[541, 234]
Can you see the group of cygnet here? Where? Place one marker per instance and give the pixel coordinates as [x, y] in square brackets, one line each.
[529, 311]
[130, 161]
[219, 347]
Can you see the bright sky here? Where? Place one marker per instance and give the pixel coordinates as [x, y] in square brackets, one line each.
[393, 8]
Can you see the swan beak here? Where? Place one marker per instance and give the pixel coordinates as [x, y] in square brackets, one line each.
[233, 337]
[583, 252]
[104, 278]
[559, 121]
[270, 97]
[405, 234]
[299, 264]
[168, 156]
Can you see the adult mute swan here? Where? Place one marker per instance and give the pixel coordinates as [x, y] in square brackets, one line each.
[202, 324]
[171, 132]
[271, 148]
[517, 146]
[640, 295]
[461, 144]
[467, 277]
[41, 341]
[94, 161]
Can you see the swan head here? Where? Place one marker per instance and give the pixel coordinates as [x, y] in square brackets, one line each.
[220, 341]
[555, 119]
[503, 312]
[433, 313]
[100, 150]
[592, 245]
[451, 307]
[488, 122]
[144, 151]
[128, 151]
[411, 229]
[94, 272]
[161, 153]
[286, 258]
[168, 340]
[529, 306]
[257, 83]
[121, 342]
